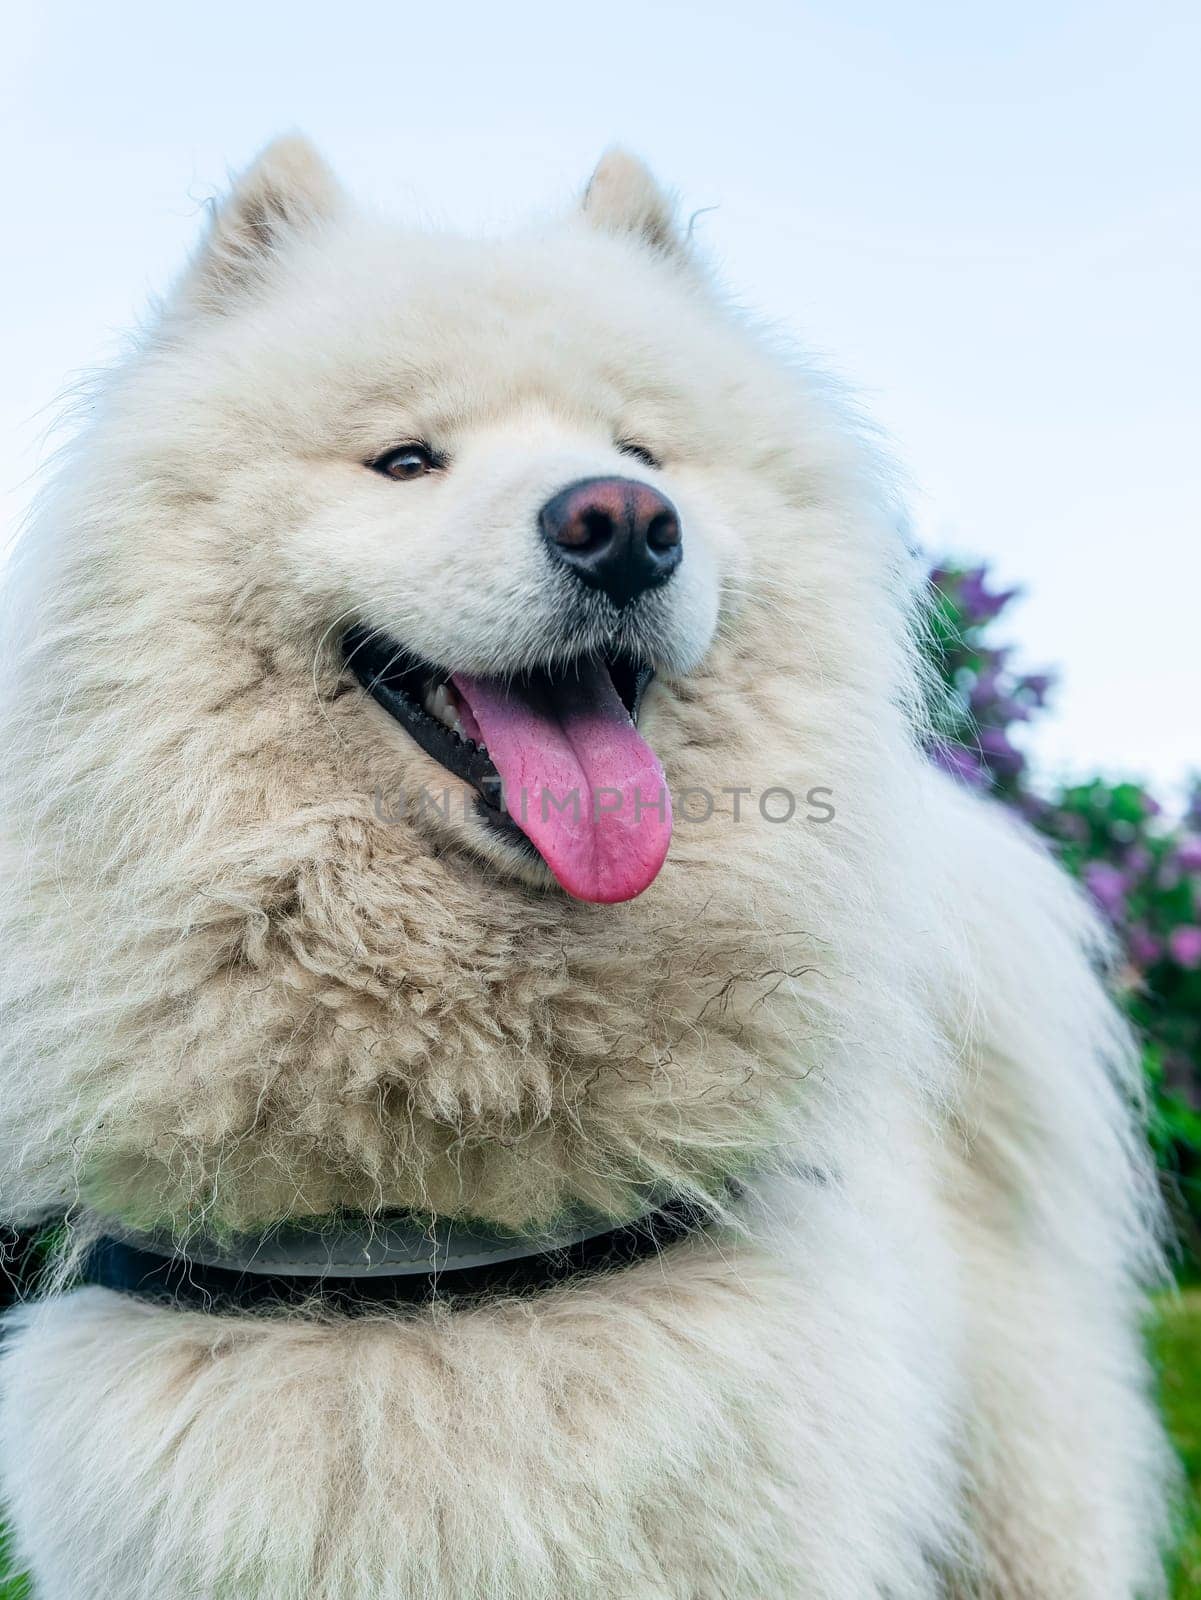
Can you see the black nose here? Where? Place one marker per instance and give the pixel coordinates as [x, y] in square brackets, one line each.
[615, 534]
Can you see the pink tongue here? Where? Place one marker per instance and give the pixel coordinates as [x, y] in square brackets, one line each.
[579, 780]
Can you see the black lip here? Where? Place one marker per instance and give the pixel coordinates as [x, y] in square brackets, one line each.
[397, 679]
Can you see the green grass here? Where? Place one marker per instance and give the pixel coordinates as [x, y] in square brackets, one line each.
[14, 1588]
[1177, 1344]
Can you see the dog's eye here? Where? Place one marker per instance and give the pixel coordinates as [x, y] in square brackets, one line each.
[630, 447]
[407, 461]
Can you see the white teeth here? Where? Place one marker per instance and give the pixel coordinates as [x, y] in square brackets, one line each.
[443, 704]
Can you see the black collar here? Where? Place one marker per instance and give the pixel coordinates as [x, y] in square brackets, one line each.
[183, 1280]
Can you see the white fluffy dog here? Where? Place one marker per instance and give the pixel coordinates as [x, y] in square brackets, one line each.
[851, 1011]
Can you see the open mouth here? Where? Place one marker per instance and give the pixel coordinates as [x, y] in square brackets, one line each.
[555, 758]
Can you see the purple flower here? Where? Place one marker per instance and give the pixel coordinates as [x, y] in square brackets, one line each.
[960, 763]
[1188, 853]
[1036, 686]
[1000, 754]
[1138, 861]
[1037, 812]
[984, 690]
[1008, 709]
[977, 601]
[1145, 949]
[1071, 825]
[1108, 888]
[1185, 944]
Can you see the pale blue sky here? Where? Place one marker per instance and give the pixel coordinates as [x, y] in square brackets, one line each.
[986, 218]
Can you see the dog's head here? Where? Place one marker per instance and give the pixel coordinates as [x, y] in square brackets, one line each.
[471, 464]
[403, 594]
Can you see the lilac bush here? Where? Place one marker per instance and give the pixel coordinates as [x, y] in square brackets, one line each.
[1142, 868]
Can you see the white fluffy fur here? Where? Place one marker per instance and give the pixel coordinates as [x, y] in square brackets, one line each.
[909, 1366]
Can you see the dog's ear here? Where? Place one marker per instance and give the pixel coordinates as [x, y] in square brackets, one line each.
[624, 197]
[285, 193]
